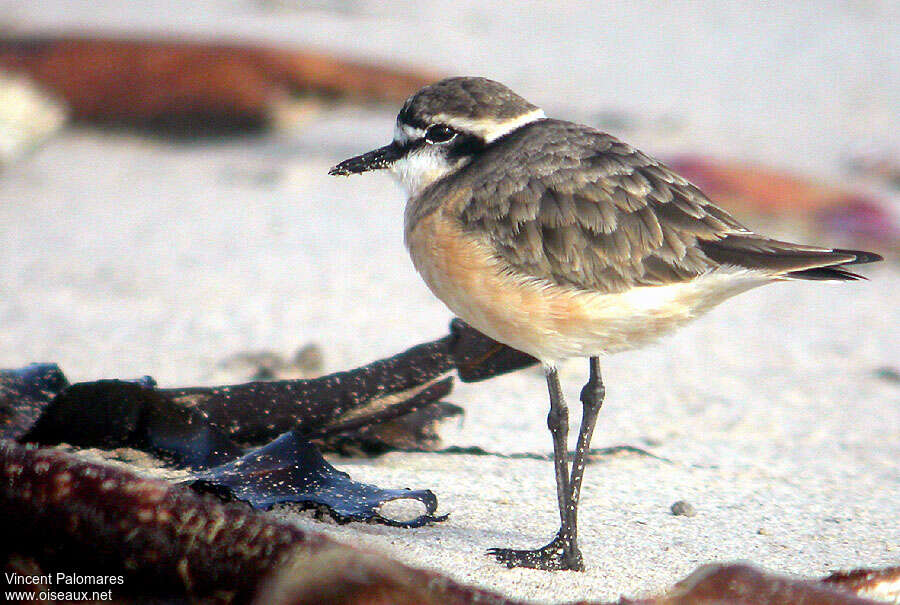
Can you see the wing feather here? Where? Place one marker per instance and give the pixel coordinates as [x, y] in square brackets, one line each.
[577, 207]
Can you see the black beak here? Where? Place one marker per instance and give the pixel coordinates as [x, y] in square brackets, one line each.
[381, 158]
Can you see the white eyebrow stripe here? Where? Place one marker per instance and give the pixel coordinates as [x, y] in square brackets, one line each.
[490, 130]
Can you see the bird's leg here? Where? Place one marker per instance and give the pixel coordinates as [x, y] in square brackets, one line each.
[558, 423]
[591, 398]
[562, 552]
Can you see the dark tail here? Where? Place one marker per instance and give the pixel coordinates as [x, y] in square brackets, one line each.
[838, 272]
[786, 260]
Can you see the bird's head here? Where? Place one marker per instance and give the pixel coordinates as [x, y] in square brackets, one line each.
[442, 128]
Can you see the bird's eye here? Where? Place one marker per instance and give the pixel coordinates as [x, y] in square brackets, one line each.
[438, 133]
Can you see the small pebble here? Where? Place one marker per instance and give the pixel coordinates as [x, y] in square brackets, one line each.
[683, 509]
[762, 531]
[613, 120]
[309, 358]
[888, 373]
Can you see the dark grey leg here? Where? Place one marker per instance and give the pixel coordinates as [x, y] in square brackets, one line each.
[558, 423]
[562, 552]
[592, 399]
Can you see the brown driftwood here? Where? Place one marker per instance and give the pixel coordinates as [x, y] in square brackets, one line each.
[390, 403]
[393, 401]
[192, 86]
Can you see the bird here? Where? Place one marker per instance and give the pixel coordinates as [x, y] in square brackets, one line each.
[562, 241]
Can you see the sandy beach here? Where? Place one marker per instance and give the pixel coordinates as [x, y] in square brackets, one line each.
[776, 416]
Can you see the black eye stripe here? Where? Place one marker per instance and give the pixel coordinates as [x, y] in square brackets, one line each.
[465, 145]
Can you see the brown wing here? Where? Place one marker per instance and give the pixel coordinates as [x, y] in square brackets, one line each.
[578, 207]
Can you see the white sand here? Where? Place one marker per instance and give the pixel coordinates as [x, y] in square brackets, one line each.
[122, 256]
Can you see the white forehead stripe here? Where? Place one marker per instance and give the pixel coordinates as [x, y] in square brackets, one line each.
[404, 133]
[489, 130]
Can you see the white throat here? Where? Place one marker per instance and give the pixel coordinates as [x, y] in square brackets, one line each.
[419, 169]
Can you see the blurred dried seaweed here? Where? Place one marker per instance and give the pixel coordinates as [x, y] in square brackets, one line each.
[741, 584]
[191, 88]
[840, 213]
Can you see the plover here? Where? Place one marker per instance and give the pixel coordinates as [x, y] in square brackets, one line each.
[562, 241]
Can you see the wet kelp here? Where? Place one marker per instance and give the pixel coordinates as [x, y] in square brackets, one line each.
[290, 470]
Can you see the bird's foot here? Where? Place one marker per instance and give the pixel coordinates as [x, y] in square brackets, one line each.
[560, 554]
